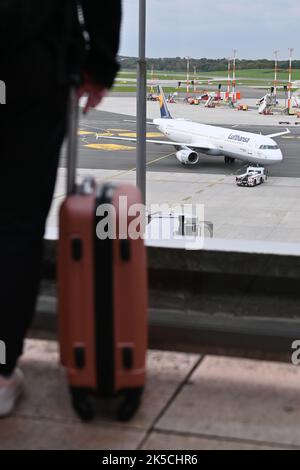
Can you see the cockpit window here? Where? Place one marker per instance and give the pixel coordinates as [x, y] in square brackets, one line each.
[269, 147]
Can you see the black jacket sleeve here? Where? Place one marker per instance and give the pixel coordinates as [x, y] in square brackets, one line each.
[102, 22]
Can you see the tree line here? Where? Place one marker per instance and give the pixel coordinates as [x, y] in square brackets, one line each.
[178, 64]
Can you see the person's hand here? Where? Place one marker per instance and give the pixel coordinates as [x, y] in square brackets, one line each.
[95, 93]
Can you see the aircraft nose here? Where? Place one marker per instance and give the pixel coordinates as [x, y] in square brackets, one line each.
[275, 157]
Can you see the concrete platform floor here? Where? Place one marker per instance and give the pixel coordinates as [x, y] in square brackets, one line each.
[190, 402]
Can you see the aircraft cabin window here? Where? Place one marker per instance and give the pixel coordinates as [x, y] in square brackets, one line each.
[269, 147]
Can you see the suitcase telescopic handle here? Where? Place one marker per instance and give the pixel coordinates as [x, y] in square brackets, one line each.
[72, 150]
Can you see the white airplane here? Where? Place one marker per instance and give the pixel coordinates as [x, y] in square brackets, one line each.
[190, 138]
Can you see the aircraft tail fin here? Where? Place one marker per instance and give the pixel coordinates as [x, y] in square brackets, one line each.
[164, 110]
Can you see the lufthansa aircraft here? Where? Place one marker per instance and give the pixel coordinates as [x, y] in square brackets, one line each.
[191, 138]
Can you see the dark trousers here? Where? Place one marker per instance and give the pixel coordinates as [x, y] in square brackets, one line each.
[32, 128]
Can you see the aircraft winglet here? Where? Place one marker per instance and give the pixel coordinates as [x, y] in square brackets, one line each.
[278, 134]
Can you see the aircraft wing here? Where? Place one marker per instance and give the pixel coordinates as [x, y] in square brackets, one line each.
[148, 123]
[278, 134]
[203, 145]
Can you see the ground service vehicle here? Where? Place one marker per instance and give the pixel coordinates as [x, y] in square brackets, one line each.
[252, 177]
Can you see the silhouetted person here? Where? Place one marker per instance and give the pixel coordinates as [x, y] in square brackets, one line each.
[42, 45]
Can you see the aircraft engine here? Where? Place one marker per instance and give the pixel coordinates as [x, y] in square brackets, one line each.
[187, 157]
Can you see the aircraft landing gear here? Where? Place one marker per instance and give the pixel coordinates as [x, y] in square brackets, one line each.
[229, 160]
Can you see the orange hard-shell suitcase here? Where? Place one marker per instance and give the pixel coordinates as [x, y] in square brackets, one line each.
[102, 293]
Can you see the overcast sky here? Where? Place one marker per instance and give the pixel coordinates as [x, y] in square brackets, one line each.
[213, 29]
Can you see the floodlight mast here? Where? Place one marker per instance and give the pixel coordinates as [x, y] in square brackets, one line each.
[276, 73]
[290, 79]
[229, 77]
[187, 76]
[234, 77]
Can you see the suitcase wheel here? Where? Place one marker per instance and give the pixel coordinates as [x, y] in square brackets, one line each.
[130, 404]
[82, 404]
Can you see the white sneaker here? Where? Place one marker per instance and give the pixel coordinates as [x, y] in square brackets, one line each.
[10, 390]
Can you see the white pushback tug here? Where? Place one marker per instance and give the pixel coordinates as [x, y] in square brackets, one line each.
[252, 177]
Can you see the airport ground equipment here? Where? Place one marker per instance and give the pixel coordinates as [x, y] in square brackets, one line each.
[242, 107]
[296, 99]
[176, 225]
[102, 291]
[252, 177]
[267, 103]
[203, 97]
[210, 102]
[152, 97]
[171, 98]
[193, 101]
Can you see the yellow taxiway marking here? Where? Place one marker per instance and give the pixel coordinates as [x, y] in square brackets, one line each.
[81, 132]
[122, 173]
[159, 158]
[291, 137]
[109, 147]
[118, 130]
[133, 134]
[154, 134]
[84, 133]
[103, 134]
